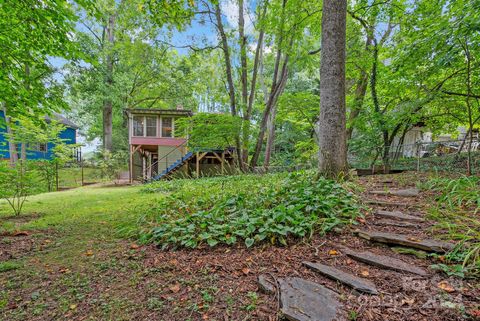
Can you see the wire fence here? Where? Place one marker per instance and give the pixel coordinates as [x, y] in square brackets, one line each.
[449, 155]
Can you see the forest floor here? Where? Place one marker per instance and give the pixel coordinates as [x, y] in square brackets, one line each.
[68, 264]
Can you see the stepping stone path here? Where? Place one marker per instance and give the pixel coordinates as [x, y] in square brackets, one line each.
[386, 262]
[405, 240]
[352, 281]
[394, 223]
[397, 215]
[409, 192]
[304, 300]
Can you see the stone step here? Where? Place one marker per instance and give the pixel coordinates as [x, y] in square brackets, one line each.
[408, 192]
[397, 215]
[350, 280]
[428, 245]
[385, 203]
[393, 223]
[303, 300]
[385, 262]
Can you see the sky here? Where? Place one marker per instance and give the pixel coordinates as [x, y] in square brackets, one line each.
[197, 32]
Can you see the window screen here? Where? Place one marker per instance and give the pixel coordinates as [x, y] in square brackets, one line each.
[151, 126]
[138, 123]
[167, 127]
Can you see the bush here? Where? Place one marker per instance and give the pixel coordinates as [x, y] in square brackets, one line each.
[17, 183]
[274, 208]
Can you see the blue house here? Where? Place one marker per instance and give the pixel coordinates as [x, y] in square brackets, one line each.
[39, 151]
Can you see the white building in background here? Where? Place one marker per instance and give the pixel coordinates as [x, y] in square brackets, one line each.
[417, 138]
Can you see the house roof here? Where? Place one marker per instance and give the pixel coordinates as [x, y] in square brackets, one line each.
[157, 111]
[62, 120]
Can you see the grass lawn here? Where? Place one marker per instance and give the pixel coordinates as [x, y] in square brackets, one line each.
[71, 235]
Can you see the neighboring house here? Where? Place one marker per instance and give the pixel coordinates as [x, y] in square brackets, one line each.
[157, 150]
[39, 150]
[419, 140]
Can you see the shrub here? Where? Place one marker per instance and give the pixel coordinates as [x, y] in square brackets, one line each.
[274, 208]
[17, 183]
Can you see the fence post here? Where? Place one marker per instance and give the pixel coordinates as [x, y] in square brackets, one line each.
[418, 157]
[56, 175]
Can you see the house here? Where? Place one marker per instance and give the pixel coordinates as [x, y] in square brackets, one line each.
[158, 150]
[419, 141]
[40, 150]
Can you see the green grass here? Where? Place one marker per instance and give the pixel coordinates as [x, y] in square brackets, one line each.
[9, 266]
[456, 209]
[72, 177]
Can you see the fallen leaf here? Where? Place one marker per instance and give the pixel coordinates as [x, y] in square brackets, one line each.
[333, 252]
[89, 253]
[444, 285]
[474, 313]
[361, 220]
[349, 261]
[413, 239]
[365, 273]
[64, 270]
[73, 306]
[175, 288]
[47, 241]
[21, 233]
[204, 317]
[408, 301]
[246, 271]
[134, 246]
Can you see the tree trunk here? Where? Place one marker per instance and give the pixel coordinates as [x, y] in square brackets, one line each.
[270, 137]
[12, 147]
[228, 70]
[108, 104]
[332, 131]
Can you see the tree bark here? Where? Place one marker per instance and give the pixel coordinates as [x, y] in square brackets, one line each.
[270, 137]
[12, 147]
[332, 122]
[228, 70]
[108, 104]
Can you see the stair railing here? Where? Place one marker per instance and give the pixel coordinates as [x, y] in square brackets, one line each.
[166, 158]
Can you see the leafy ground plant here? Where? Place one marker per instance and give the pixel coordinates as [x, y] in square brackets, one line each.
[274, 208]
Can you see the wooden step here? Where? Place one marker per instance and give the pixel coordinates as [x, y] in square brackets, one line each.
[428, 245]
[352, 281]
[397, 215]
[385, 262]
[303, 300]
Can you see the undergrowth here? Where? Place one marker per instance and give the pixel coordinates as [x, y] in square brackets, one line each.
[272, 208]
[456, 211]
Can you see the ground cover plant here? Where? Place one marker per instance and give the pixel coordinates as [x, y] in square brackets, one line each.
[456, 211]
[225, 210]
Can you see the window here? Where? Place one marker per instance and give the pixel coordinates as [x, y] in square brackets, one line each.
[151, 126]
[138, 124]
[38, 147]
[167, 127]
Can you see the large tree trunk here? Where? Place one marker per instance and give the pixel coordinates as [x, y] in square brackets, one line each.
[332, 132]
[108, 104]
